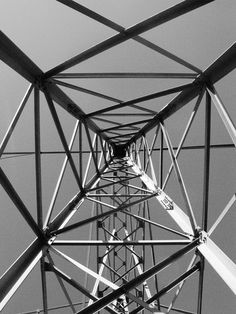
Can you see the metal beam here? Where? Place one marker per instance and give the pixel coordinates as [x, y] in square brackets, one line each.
[221, 67]
[125, 75]
[17, 60]
[118, 242]
[219, 261]
[38, 177]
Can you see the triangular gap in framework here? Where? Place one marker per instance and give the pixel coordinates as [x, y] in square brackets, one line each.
[56, 166]
[13, 91]
[158, 223]
[63, 126]
[219, 132]
[17, 234]
[174, 269]
[177, 189]
[186, 298]
[222, 174]
[129, 57]
[73, 266]
[58, 279]
[87, 93]
[18, 162]
[29, 287]
[22, 137]
[59, 186]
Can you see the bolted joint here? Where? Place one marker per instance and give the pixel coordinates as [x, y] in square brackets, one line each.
[99, 260]
[141, 224]
[39, 82]
[140, 259]
[100, 224]
[47, 267]
[202, 237]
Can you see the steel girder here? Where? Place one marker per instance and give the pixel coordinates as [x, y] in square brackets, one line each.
[117, 177]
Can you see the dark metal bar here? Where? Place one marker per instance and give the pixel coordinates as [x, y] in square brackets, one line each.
[206, 162]
[200, 285]
[86, 91]
[221, 67]
[170, 286]
[151, 222]
[17, 60]
[138, 280]
[206, 181]
[193, 147]
[154, 21]
[125, 125]
[141, 99]
[161, 160]
[135, 75]
[80, 150]
[6, 184]
[62, 138]
[44, 285]
[38, 158]
[39, 188]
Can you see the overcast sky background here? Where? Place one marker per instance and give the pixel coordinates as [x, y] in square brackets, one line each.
[50, 33]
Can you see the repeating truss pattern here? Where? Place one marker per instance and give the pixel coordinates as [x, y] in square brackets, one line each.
[129, 215]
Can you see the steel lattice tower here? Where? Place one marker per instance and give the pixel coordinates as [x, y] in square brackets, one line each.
[129, 238]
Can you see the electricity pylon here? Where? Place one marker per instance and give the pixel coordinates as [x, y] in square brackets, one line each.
[128, 227]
